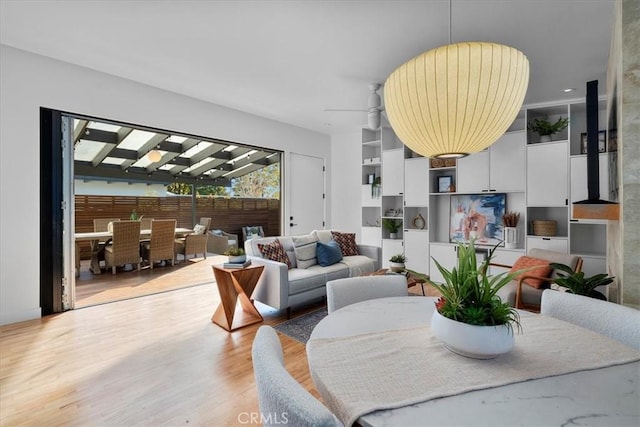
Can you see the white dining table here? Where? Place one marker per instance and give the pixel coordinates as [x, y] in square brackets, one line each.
[95, 237]
[607, 396]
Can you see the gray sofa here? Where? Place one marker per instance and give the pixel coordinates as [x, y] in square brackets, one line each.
[281, 287]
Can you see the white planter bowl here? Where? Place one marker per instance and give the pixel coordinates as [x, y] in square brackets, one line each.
[478, 342]
[396, 267]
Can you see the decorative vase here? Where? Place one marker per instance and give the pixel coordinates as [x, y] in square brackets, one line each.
[396, 267]
[510, 237]
[418, 222]
[477, 342]
[393, 235]
[237, 259]
[545, 138]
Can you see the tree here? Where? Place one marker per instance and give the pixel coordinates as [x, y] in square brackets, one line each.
[208, 190]
[262, 183]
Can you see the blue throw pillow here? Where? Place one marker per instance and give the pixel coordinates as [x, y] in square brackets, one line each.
[329, 253]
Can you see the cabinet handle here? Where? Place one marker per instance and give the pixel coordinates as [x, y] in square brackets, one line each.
[546, 238]
[566, 202]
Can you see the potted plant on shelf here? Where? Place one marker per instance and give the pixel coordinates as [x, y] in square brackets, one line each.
[470, 318]
[577, 283]
[392, 226]
[510, 221]
[396, 263]
[236, 255]
[544, 128]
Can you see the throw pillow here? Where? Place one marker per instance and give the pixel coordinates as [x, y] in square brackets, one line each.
[347, 243]
[275, 252]
[542, 269]
[199, 229]
[217, 232]
[328, 253]
[305, 249]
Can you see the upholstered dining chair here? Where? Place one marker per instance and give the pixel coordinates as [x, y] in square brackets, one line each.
[525, 291]
[195, 243]
[161, 245]
[124, 247]
[101, 224]
[613, 320]
[343, 292]
[278, 392]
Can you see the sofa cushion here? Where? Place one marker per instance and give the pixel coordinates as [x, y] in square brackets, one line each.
[304, 248]
[347, 242]
[323, 236]
[332, 272]
[274, 252]
[534, 266]
[359, 265]
[302, 279]
[329, 253]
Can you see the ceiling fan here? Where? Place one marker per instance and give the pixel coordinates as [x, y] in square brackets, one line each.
[374, 107]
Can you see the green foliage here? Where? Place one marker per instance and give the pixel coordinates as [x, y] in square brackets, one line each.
[545, 127]
[392, 225]
[469, 296]
[398, 258]
[577, 284]
[233, 252]
[134, 216]
[262, 183]
[202, 190]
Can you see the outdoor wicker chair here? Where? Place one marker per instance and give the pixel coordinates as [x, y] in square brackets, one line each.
[125, 245]
[195, 243]
[161, 245]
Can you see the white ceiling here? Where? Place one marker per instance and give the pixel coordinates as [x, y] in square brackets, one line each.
[290, 60]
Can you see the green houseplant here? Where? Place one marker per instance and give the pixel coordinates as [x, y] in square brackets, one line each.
[392, 226]
[397, 263]
[469, 299]
[236, 255]
[134, 216]
[577, 283]
[543, 127]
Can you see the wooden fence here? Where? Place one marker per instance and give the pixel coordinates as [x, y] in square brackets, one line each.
[228, 214]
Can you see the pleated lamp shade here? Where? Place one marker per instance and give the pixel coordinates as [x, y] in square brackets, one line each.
[457, 99]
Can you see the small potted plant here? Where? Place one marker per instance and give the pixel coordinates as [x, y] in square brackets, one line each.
[510, 221]
[392, 226]
[577, 283]
[470, 318]
[236, 255]
[396, 263]
[544, 128]
[134, 216]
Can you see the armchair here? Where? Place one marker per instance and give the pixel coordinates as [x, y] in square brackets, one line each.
[252, 232]
[525, 292]
[195, 243]
[219, 241]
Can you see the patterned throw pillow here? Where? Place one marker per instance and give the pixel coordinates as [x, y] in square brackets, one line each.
[347, 243]
[542, 269]
[274, 252]
[305, 250]
[199, 229]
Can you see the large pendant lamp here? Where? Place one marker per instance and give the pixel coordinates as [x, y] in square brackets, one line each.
[456, 99]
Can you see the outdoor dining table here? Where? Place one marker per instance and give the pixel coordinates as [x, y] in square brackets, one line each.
[376, 362]
[95, 237]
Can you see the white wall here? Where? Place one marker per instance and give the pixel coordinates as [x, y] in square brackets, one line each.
[28, 82]
[104, 188]
[346, 174]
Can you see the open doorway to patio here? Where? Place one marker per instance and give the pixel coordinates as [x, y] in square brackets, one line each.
[124, 172]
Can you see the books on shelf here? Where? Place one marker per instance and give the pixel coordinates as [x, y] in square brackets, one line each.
[237, 264]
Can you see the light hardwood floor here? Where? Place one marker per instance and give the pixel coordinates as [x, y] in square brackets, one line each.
[147, 361]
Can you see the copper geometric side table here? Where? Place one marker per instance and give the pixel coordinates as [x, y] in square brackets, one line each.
[236, 284]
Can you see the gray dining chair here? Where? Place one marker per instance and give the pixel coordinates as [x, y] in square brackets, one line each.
[279, 394]
[613, 320]
[343, 292]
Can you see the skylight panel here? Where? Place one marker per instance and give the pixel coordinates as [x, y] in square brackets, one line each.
[86, 151]
[136, 139]
[177, 139]
[104, 126]
[201, 163]
[200, 146]
[113, 161]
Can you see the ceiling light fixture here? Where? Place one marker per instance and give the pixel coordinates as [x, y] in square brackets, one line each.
[154, 155]
[456, 99]
[569, 89]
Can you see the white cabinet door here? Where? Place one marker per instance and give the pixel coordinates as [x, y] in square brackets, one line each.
[547, 177]
[507, 161]
[579, 178]
[416, 248]
[370, 236]
[393, 172]
[390, 247]
[446, 255]
[473, 173]
[549, 243]
[416, 182]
